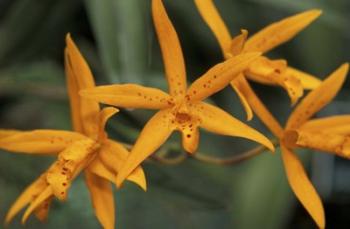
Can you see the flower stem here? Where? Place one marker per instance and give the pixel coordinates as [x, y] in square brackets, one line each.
[162, 156]
[234, 159]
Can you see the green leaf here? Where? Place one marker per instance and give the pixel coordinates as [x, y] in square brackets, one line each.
[29, 31]
[119, 28]
[44, 79]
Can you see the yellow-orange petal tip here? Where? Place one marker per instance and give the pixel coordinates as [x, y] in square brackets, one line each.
[119, 183]
[143, 186]
[315, 13]
[68, 38]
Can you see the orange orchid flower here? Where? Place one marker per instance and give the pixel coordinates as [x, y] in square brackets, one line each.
[262, 70]
[302, 132]
[86, 149]
[299, 132]
[182, 109]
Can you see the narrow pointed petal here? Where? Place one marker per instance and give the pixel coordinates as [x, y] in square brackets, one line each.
[43, 196]
[39, 141]
[268, 71]
[42, 211]
[218, 121]
[237, 43]
[219, 76]
[262, 69]
[113, 155]
[82, 74]
[138, 177]
[29, 194]
[293, 86]
[104, 115]
[73, 93]
[258, 107]
[190, 139]
[308, 81]
[335, 143]
[302, 187]
[171, 50]
[338, 124]
[6, 133]
[101, 194]
[318, 98]
[79, 66]
[129, 96]
[154, 134]
[236, 85]
[281, 31]
[213, 19]
[98, 168]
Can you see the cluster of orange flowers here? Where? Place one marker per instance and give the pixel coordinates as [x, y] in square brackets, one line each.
[104, 161]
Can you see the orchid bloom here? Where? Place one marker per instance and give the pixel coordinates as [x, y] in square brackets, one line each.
[299, 132]
[86, 149]
[182, 109]
[262, 70]
[302, 132]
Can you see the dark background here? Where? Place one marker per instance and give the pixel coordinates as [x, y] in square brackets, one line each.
[117, 39]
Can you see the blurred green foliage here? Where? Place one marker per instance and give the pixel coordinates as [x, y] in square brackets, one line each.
[118, 40]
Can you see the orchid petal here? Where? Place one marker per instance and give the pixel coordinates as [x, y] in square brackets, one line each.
[213, 19]
[218, 121]
[97, 167]
[236, 85]
[58, 180]
[82, 74]
[100, 169]
[338, 124]
[129, 96]
[280, 32]
[267, 71]
[113, 155]
[6, 133]
[43, 196]
[29, 194]
[262, 69]
[318, 98]
[190, 139]
[39, 141]
[237, 43]
[335, 143]
[308, 81]
[171, 50]
[258, 107]
[302, 187]
[102, 199]
[70, 163]
[105, 114]
[79, 65]
[219, 76]
[73, 93]
[42, 211]
[154, 134]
